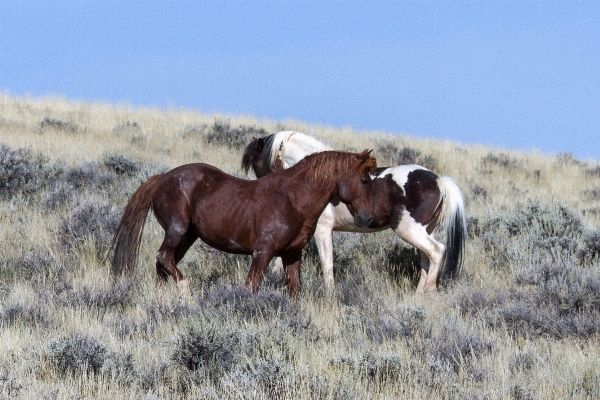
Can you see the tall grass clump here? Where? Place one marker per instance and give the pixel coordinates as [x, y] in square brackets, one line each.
[52, 124]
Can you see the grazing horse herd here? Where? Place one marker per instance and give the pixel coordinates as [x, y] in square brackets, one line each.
[304, 189]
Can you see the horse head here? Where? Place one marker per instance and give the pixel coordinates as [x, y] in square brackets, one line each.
[355, 187]
[257, 156]
[253, 158]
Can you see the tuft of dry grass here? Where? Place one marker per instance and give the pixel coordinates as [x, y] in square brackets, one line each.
[522, 322]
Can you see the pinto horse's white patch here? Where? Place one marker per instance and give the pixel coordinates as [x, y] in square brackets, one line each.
[400, 174]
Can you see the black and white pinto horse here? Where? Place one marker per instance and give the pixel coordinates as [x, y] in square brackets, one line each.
[409, 199]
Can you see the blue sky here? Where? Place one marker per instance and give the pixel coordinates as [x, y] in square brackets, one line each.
[512, 74]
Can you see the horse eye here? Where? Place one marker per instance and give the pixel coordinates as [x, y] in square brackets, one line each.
[364, 181]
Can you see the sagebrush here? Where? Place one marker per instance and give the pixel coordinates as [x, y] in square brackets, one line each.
[522, 322]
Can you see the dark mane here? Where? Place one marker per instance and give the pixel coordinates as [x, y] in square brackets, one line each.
[249, 155]
[268, 150]
[252, 152]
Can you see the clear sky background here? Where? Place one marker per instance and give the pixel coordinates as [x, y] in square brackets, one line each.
[511, 74]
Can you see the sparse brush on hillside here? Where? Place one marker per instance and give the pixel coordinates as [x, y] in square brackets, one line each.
[522, 322]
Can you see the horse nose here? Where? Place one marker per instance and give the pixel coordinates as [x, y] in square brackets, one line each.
[363, 219]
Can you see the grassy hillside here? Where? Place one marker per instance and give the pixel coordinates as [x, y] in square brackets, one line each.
[522, 323]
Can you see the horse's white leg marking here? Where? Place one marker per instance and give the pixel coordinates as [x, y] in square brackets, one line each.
[416, 234]
[324, 241]
[278, 267]
[425, 263]
[422, 280]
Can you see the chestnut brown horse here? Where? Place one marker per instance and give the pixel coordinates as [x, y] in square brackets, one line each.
[270, 217]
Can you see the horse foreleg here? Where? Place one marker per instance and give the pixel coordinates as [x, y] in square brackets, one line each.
[260, 262]
[324, 241]
[292, 272]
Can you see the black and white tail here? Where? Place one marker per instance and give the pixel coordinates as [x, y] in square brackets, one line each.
[452, 229]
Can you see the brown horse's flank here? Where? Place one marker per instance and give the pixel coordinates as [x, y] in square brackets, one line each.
[274, 216]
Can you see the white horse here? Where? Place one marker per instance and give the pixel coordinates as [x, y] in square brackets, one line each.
[409, 199]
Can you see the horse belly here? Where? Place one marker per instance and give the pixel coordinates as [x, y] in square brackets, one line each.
[224, 236]
[227, 245]
[224, 226]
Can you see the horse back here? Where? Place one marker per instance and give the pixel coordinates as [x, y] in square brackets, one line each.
[228, 213]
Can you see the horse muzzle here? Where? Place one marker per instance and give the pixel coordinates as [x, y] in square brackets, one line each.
[363, 219]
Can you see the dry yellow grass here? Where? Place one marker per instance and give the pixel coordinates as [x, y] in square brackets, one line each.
[325, 347]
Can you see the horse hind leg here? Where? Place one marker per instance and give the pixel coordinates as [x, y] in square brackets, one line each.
[169, 254]
[425, 262]
[432, 251]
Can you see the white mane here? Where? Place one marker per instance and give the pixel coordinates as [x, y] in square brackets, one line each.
[292, 146]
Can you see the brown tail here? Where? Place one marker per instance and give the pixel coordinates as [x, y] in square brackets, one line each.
[126, 241]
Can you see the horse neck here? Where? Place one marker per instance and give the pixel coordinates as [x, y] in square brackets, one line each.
[320, 192]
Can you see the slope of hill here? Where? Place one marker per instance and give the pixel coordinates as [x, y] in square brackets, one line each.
[523, 321]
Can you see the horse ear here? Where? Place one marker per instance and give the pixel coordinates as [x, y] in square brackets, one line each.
[365, 154]
[260, 145]
[370, 161]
